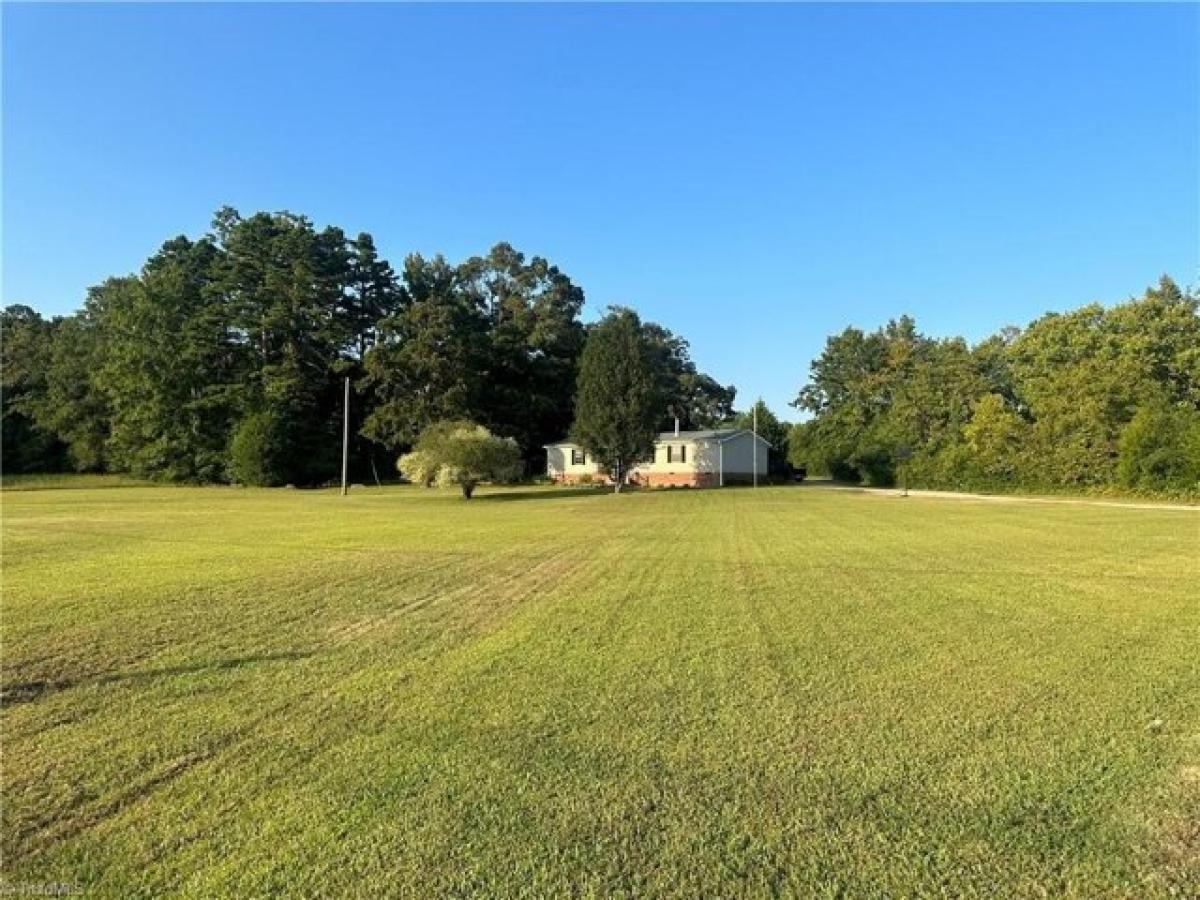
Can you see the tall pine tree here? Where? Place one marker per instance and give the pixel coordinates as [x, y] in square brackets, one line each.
[618, 403]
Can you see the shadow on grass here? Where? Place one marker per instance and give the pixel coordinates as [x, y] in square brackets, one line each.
[28, 691]
[549, 493]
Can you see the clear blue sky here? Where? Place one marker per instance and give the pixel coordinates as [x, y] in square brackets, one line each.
[754, 178]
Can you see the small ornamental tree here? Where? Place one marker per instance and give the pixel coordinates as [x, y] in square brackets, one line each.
[617, 403]
[419, 468]
[461, 453]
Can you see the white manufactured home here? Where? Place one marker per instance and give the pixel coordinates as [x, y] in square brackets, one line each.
[681, 459]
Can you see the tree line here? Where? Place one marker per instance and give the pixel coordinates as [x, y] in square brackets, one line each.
[1101, 397]
[223, 359]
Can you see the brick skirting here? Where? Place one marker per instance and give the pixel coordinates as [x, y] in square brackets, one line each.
[678, 479]
[650, 479]
[581, 479]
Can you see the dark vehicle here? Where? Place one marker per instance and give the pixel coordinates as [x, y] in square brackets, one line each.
[799, 474]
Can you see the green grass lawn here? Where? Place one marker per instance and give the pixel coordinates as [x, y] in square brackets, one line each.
[222, 692]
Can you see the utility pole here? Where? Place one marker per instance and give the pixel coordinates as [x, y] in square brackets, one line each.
[754, 430]
[345, 435]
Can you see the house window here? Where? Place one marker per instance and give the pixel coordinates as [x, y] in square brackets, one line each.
[677, 454]
[578, 457]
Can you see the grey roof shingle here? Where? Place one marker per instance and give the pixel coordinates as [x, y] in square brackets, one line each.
[708, 434]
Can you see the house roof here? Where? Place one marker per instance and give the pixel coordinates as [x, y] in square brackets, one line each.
[712, 434]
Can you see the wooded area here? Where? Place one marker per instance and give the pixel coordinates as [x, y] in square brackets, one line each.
[223, 359]
[1093, 398]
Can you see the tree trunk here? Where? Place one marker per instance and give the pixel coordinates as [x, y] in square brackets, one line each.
[468, 488]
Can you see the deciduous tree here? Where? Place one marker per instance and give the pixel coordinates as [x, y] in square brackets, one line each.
[430, 362]
[771, 430]
[463, 454]
[534, 338]
[26, 348]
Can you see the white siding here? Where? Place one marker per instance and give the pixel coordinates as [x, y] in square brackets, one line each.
[695, 455]
[558, 462]
[735, 456]
[739, 456]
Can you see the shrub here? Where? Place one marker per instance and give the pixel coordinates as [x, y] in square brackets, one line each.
[953, 465]
[259, 451]
[461, 453]
[1160, 448]
[841, 470]
[877, 465]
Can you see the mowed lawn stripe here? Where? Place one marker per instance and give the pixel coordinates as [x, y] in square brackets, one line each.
[544, 692]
